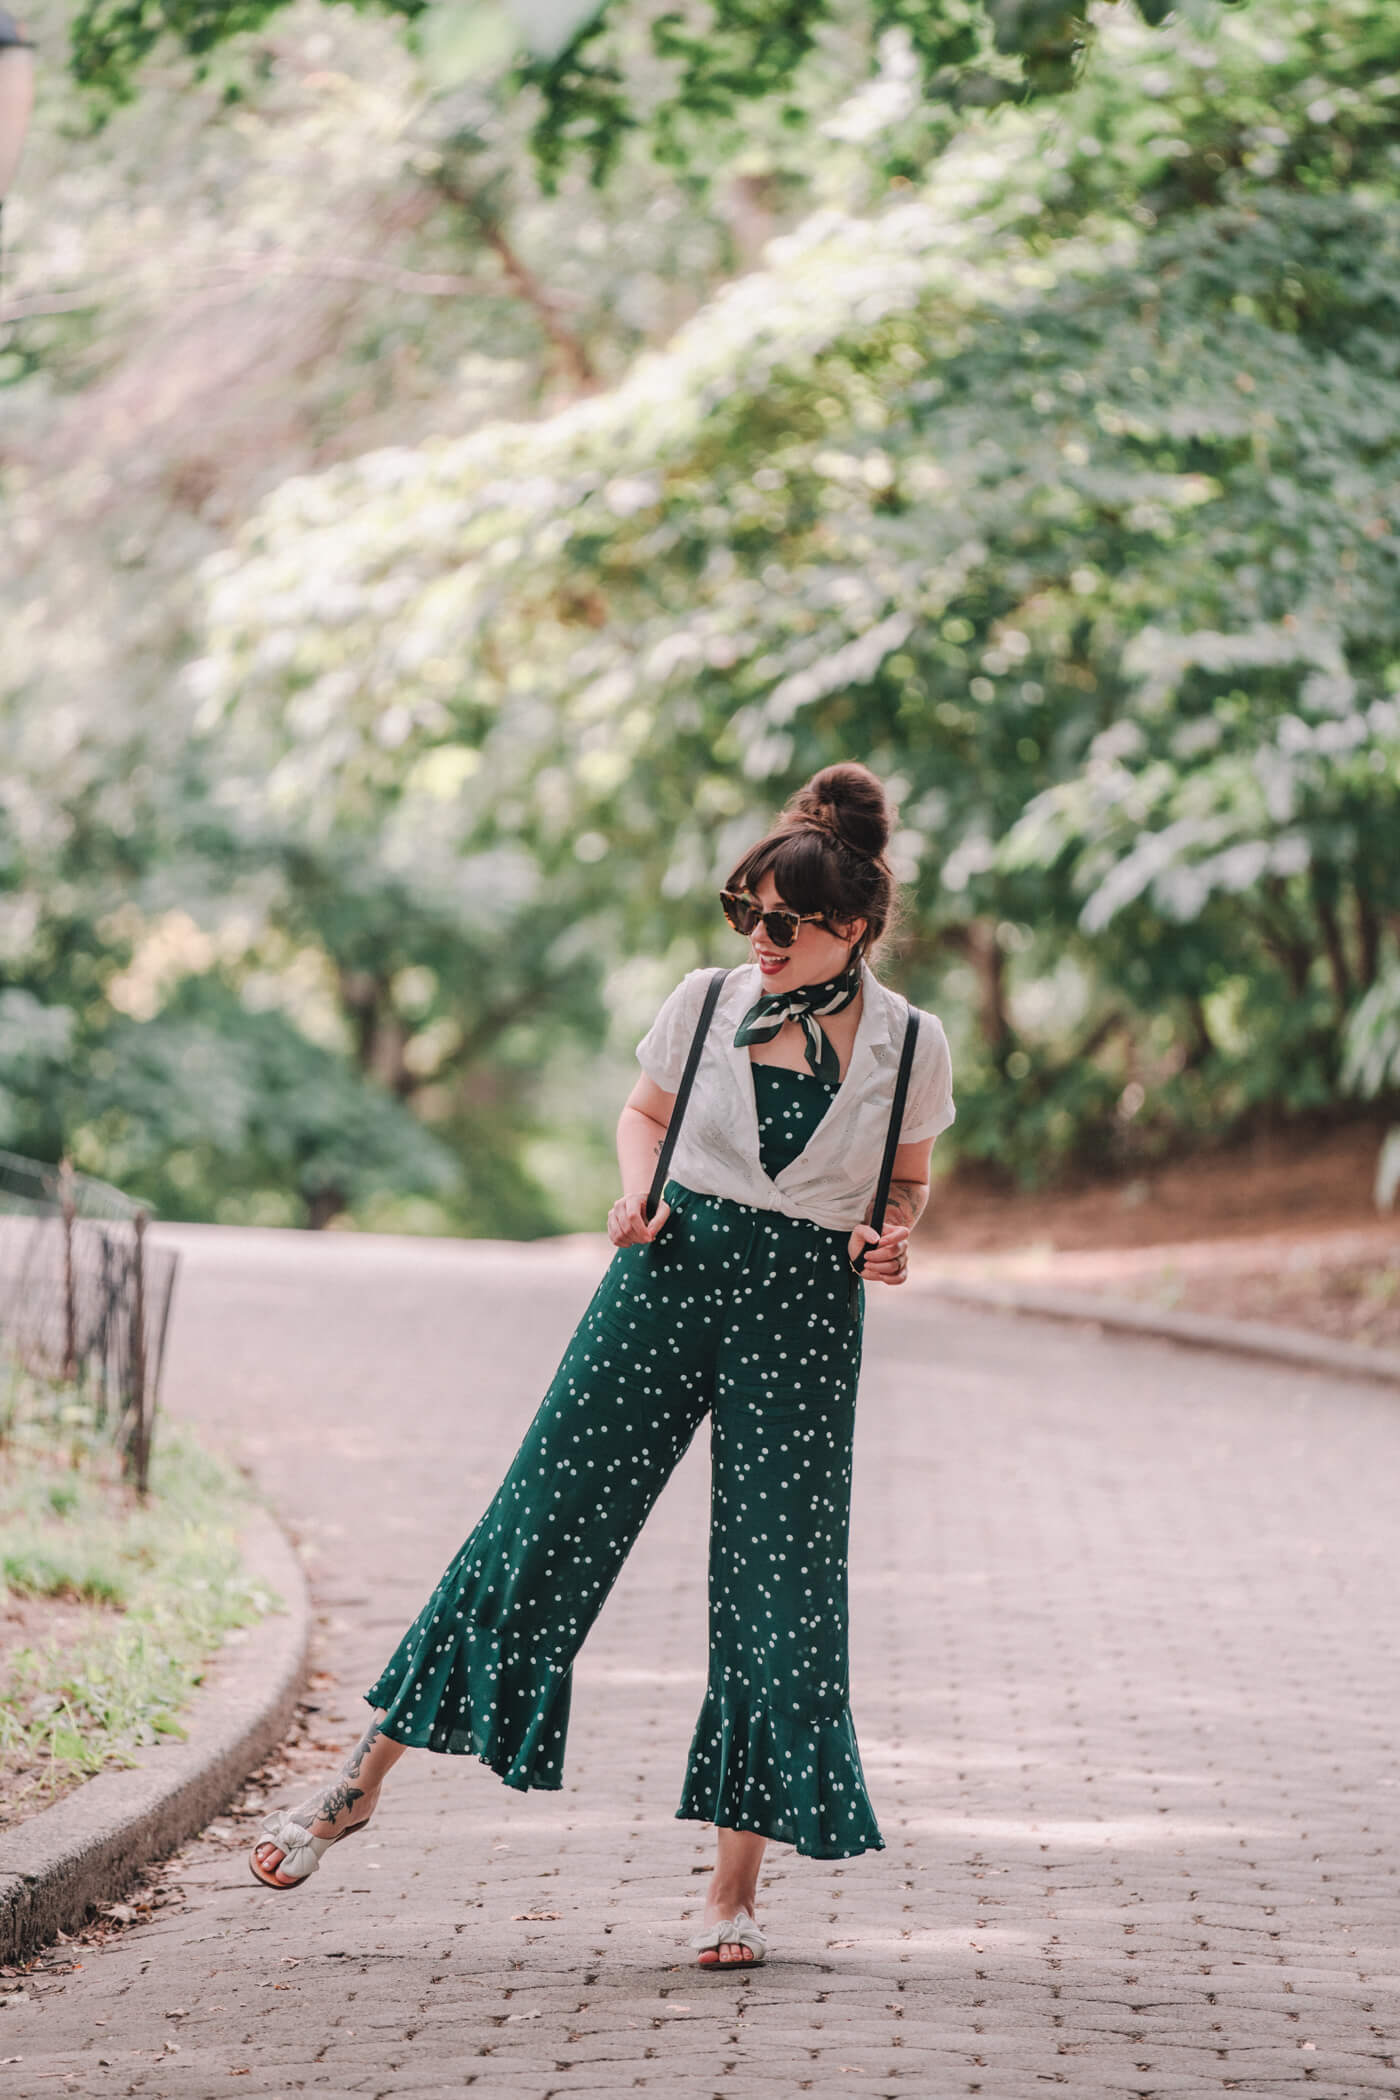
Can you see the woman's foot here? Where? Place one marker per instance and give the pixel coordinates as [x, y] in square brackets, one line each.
[721, 1903]
[345, 1804]
[338, 1808]
[732, 1899]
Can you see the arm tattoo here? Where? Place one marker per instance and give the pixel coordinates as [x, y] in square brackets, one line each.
[906, 1204]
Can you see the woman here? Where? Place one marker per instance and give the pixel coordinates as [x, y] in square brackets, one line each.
[735, 1299]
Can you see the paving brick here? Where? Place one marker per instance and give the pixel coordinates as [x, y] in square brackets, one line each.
[1123, 1672]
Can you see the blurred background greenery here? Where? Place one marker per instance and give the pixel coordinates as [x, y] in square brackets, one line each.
[461, 468]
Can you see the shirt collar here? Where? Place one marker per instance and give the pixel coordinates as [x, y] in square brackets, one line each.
[874, 1035]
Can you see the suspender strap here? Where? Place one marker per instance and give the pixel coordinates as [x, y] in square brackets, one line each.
[673, 1128]
[901, 1090]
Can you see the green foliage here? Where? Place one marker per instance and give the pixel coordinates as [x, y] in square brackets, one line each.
[1372, 1068]
[244, 1015]
[110, 40]
[597, 72]
[152, 1588]
[717, 63]
[1047, 463]
[1069, 508]
[210, 1094]
[1373, 1040]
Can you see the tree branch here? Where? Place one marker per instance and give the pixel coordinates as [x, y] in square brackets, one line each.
[46, 303]
[572, 353]
[1325, 905]
[1368, 938]
[239, 268]
[976, 939]
[430, 284]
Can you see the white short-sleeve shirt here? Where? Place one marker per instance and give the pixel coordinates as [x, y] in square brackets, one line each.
[832, 1180]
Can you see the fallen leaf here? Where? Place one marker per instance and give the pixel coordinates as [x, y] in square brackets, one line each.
[533, 1917]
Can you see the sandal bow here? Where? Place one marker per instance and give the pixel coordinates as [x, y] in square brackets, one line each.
[738, 1931]
[301, 1851]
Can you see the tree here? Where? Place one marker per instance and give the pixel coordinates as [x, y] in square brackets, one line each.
[194, 266]
[604, 72]
[1027, 490]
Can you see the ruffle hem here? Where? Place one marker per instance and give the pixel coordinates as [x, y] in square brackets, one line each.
[794, 1780]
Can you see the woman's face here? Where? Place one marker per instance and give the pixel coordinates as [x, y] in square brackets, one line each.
[814, 956]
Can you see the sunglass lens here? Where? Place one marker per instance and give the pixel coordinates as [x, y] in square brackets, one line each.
[780, 927]
[741, 912]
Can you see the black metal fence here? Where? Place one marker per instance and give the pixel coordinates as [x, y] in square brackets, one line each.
[84, 1298]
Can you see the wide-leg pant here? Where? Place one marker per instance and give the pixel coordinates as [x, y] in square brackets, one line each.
[747, 1315]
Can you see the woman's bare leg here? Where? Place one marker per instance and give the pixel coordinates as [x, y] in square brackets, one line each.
[349, 1798]
[738, 1857]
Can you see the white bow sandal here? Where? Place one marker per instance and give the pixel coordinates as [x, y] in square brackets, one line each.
[301, 1852]
[738, 1931]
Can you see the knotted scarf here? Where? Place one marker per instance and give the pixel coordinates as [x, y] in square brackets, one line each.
[803, 1003]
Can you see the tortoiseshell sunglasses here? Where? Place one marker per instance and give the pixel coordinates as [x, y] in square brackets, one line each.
[744, 913]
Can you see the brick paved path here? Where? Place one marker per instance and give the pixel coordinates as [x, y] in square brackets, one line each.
[1125, 1625]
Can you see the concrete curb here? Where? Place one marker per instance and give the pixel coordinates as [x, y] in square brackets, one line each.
[86, 1848]
[1288, 1345]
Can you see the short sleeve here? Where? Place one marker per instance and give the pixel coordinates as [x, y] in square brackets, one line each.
[662, 1051]
[929, 1108]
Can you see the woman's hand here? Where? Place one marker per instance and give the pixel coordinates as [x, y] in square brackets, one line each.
[887, 1258]
[627, 1225]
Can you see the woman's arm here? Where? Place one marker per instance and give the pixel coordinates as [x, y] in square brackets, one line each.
[909, 1183]
[887, 1260]
[640, 1130]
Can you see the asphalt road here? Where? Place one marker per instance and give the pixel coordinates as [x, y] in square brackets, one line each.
[1124, 1623]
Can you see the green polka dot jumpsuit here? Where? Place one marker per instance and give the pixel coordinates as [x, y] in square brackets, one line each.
[747, 1315]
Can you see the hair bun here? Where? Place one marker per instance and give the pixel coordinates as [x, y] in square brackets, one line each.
[850, 803]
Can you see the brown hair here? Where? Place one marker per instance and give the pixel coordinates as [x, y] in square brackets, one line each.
[827, 852]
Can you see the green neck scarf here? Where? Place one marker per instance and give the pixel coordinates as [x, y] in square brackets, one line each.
[803, 1003]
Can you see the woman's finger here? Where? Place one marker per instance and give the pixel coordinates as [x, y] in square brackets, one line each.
[628, 1225]
[889, 1261]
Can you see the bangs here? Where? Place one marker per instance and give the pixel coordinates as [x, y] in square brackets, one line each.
[800, 866]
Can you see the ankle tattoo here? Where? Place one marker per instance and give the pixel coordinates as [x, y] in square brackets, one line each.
[336, 1801]
[351, 1768]
[340, 1797]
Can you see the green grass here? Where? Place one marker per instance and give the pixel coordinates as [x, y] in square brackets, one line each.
[145, 1591]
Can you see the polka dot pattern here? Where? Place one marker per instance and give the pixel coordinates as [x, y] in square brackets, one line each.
[746, 1315]
[790, 1105]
